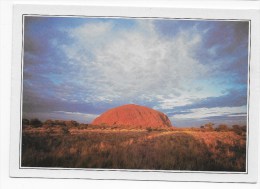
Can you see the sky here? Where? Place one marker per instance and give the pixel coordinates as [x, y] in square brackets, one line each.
[194, 71]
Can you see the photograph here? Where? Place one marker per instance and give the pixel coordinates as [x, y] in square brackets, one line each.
[135, 93]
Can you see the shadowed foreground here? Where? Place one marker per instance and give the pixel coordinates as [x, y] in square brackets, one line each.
[133, 149]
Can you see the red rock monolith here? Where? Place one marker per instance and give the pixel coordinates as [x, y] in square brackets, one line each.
[132, 115]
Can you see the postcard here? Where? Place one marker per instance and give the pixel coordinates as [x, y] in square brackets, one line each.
[135, 93]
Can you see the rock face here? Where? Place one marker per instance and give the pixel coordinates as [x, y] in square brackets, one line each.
[133, 116]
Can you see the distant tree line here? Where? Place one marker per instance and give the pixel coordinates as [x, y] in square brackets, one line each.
[241, 130]
[35, 122]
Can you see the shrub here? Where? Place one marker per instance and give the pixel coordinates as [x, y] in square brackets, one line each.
[35, 122]
[25, 122]
[59, 123]
[65, 131]
[49, 122]
[71, 123]
[134, 150]
[222, 127]
[240, 130]
[83, 126]
[209, 126]
[244, 128]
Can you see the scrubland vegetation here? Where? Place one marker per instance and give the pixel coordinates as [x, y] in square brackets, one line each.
[73, 145]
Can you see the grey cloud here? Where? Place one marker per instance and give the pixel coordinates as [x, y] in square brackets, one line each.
[234, 98]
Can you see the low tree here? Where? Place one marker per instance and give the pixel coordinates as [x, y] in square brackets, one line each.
[244, 128]
[71, 123]
[65, 130]
[149, 129]
[222, 128]
[240, 130]
[25, 122]
[59, 123]
[209, 126]
[83, 126]
[49, 122]
[35, 122]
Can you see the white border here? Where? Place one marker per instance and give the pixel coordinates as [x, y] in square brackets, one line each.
[250, 176]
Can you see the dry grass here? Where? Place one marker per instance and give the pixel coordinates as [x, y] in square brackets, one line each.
[133, 149]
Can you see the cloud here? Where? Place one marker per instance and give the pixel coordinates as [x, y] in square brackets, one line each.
[233, 98]
[217, 115]
[130, 64]
[201, 113]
